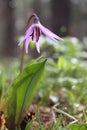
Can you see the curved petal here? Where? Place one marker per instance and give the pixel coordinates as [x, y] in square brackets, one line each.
[38, 46]
[29, 31]
[27, 44]
[21, 41]
[34, 39]
[49, 34]
[27, 34]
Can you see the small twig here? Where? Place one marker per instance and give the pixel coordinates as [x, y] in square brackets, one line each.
[73, 122]
[54, 116]
[64, 113]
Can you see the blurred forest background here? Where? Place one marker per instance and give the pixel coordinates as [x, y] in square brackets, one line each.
[63, 17]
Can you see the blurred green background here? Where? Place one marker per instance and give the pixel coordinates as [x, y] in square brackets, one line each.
[65, 18]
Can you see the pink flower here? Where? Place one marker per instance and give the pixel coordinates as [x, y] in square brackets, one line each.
[34, 32]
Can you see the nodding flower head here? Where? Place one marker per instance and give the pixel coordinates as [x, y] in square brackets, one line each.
[34, 32]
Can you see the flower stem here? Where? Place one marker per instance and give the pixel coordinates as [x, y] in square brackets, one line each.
[22, 60]
[28, 22]
[22, 55]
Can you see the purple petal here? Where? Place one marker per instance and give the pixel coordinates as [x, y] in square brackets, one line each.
[34, 39]
[27, 34]
[27, 44]
[49, 34]
[38, 46]
[29, 31]
[21, 41]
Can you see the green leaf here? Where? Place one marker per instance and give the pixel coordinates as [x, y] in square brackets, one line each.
[23, 90]
[78, 127]
[28, 125]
